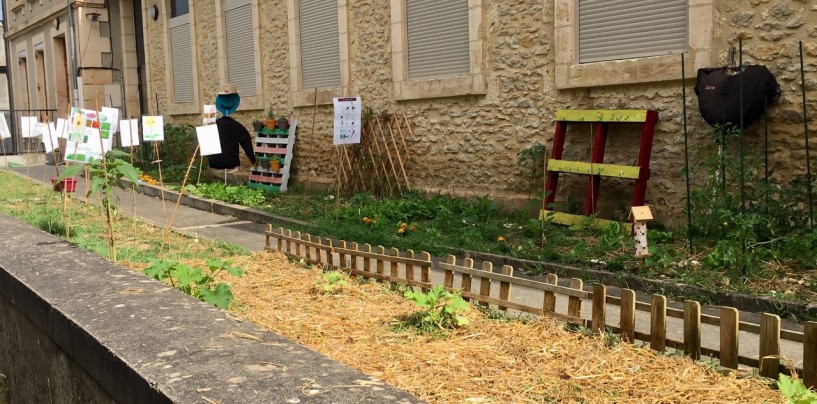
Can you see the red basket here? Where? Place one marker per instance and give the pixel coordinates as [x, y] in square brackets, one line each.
[69, 184]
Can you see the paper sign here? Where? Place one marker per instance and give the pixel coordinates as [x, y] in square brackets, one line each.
[5, 133]
[347, 120]
[209, 142]
[27, 125]
[108, 122]
[153, 128]
[50, 138]
[40, 129]
[76, 126]
[83, 152]
[129, 132]
[62, 128]
[209, 115]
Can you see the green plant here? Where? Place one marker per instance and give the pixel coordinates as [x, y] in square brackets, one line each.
[270, 112]
[195, 282]
[333, 281]
[794, 391]
[439, 310]
[235, 194]
[612, 236]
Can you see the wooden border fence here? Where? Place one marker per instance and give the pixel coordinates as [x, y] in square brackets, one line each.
[412, 269]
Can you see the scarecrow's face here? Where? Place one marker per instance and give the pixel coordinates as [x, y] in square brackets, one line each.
[227, 103]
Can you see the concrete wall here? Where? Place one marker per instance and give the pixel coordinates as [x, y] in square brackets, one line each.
[468, 144]
[77, 328]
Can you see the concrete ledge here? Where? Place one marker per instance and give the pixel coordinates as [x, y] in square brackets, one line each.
[79, 328]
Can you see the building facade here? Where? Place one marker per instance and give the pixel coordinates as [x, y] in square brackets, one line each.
[481, 80]
[101, 69]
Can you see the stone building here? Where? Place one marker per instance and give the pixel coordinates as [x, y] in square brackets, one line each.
[106, 59]
[481, 80]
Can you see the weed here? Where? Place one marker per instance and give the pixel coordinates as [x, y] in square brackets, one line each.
[440, 310]
[195, 282]
[332, 282]
[794, 391]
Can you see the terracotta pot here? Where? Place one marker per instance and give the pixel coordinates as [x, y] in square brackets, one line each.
[274, 165]
[271, 124]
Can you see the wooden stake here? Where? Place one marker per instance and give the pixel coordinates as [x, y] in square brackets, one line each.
[397, 151]
[388, 153]
[161, 180]
[178, 201]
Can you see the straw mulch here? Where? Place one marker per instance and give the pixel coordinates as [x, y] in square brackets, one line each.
[487, 361]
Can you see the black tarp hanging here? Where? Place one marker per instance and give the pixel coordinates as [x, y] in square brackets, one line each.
[718, 91]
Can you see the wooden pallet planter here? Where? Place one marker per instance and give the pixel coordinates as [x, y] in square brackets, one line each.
[485, 286]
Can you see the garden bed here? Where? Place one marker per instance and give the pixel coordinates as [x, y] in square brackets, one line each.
[493, 359]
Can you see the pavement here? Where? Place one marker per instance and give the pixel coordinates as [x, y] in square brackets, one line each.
[250, 235]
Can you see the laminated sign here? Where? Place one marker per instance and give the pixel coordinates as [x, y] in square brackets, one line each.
[347, 120]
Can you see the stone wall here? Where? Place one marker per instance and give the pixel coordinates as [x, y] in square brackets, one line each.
[468, 145]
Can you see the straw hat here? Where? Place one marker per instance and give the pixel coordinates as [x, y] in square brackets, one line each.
[228, 89]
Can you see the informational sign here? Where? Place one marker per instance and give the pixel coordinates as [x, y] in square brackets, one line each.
[153, 128]
[50, 137]
[209, 115]
[78, 124]
[347, 120]
[129, 132]
[28, 125]
[5, 133]
[208, 140]
[108, 122]
[62, 128]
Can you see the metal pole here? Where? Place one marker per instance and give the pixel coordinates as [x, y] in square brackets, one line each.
[73, 46]
[686, 150]
[742, 174]
[805, 135]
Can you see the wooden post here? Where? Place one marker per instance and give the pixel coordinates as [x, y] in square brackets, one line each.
[730, 337]
[627, 317]
[549, 300]
[318, 250]
[343, 258]
[505, 287]
[574, 304]
[448, 280]
[410, 267]
[268, 238]
[327, 252]
[810, 355]
[485, 283]
[353, 260]
[161, 180]
[288, 250]
[298, 245]
[769, 345]
[425, 270]
[692, 329]
[280, 240]
[367, 262]
[465, 279]
[599, 307]
[395, 269]
[658, 323]
[379, 262]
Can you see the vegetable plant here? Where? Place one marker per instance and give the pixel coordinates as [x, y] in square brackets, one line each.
[195, 282]
[439, 310]
[795, 392]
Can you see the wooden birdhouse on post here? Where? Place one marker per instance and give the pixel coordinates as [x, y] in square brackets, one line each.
[640, 215]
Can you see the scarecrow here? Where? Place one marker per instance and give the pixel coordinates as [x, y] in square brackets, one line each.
[231, 133]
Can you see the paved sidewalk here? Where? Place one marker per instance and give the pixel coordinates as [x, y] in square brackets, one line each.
[251, 236]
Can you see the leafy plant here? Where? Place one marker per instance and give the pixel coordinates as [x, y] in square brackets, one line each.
[612, 236]
[333, 281]
[439, 310]
[235, 194]
[195, 282]
[794, 391]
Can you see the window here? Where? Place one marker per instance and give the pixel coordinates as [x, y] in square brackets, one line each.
[318, 51]
[239, 43]
[181, 52]
[610, 42]
[616, 29]
[437, 48]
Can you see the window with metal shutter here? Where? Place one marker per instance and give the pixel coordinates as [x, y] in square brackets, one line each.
[181, 54]
[240, 43]
[624, 29]
[320, 44]
[437, 34]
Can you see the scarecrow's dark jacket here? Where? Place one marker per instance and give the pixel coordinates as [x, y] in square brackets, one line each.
[231, 134]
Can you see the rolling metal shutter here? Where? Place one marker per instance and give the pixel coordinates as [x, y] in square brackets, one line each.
[240, 44]
[623, 29]
[181, 55]
[437, 35]
[320, 44]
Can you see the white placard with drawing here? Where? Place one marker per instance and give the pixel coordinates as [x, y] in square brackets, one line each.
[347, 120]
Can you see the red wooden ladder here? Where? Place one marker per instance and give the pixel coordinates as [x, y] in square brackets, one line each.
[597, 168]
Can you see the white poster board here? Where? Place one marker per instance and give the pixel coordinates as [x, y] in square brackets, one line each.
[209, 142]
[153, 128]
[209, 115]
[50, 138]
[108, 122]
[347, 120]
[5, 133]
[28, 125]
[62, 128]
[129, 132]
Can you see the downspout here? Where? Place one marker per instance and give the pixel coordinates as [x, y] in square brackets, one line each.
[73, 46]
[12, 124]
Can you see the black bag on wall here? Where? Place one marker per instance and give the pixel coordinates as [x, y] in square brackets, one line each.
[718, 91]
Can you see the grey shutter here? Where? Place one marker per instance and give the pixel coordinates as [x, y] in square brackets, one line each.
[240, 45]
[437, 34]
[181, 55]
[320, 44]
[623, 29]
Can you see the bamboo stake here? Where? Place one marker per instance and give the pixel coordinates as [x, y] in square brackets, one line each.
[397, 151]
[388, 153]
[133, 186]
[161, 180]
[411, 133]
[111, 240]
[399, 127]
[382, 162]
[178, 201]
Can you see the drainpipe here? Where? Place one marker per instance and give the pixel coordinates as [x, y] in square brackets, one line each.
[72, 45]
